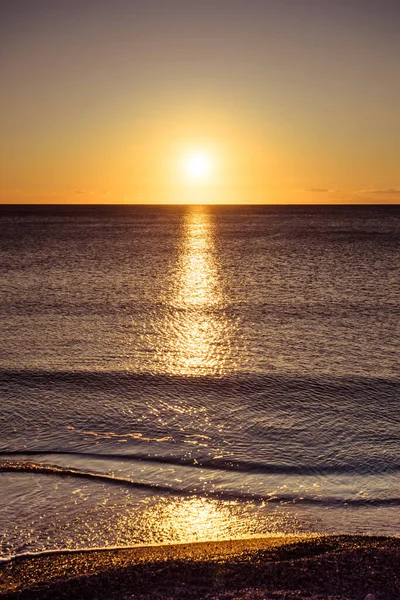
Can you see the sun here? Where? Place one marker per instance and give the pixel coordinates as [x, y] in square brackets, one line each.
[197, 167]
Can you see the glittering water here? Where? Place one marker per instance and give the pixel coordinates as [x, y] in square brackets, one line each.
[185, 373]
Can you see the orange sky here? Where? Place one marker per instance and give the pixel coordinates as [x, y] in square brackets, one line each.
[292, 101]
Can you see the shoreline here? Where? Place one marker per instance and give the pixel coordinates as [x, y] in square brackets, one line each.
[249, 539]
[320, 567]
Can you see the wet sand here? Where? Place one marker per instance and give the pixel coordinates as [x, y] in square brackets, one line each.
[334, 568]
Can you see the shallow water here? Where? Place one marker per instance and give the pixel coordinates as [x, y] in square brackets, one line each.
[184, 373]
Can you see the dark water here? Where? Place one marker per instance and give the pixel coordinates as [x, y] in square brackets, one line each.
[185, 373]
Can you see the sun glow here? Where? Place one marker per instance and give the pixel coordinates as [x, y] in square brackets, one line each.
[197, 167]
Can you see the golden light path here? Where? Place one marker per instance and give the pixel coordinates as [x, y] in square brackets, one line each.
[197, 337]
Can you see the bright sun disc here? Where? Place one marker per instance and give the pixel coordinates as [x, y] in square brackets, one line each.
[197, 166]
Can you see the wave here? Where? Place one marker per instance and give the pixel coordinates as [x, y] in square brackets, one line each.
[214, 464]
[221, 381]
[38, 469]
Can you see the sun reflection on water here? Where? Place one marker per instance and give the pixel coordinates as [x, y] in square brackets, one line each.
[197, 281]
[194, 519]
[197, 336]
[197, 519]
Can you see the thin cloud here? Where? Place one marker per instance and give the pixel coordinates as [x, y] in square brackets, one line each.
[390, 191]
[321, 190]
[387, 191]
[91, 192]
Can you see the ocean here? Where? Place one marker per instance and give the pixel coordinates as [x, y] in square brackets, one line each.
[186, 373]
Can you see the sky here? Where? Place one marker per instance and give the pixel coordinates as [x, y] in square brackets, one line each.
[288, 101]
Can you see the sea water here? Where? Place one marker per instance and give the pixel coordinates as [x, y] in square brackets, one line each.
[189, 373]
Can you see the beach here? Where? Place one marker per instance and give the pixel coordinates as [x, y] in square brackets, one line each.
[326, 567]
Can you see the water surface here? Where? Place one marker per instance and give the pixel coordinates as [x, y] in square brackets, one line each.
[183, 373]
